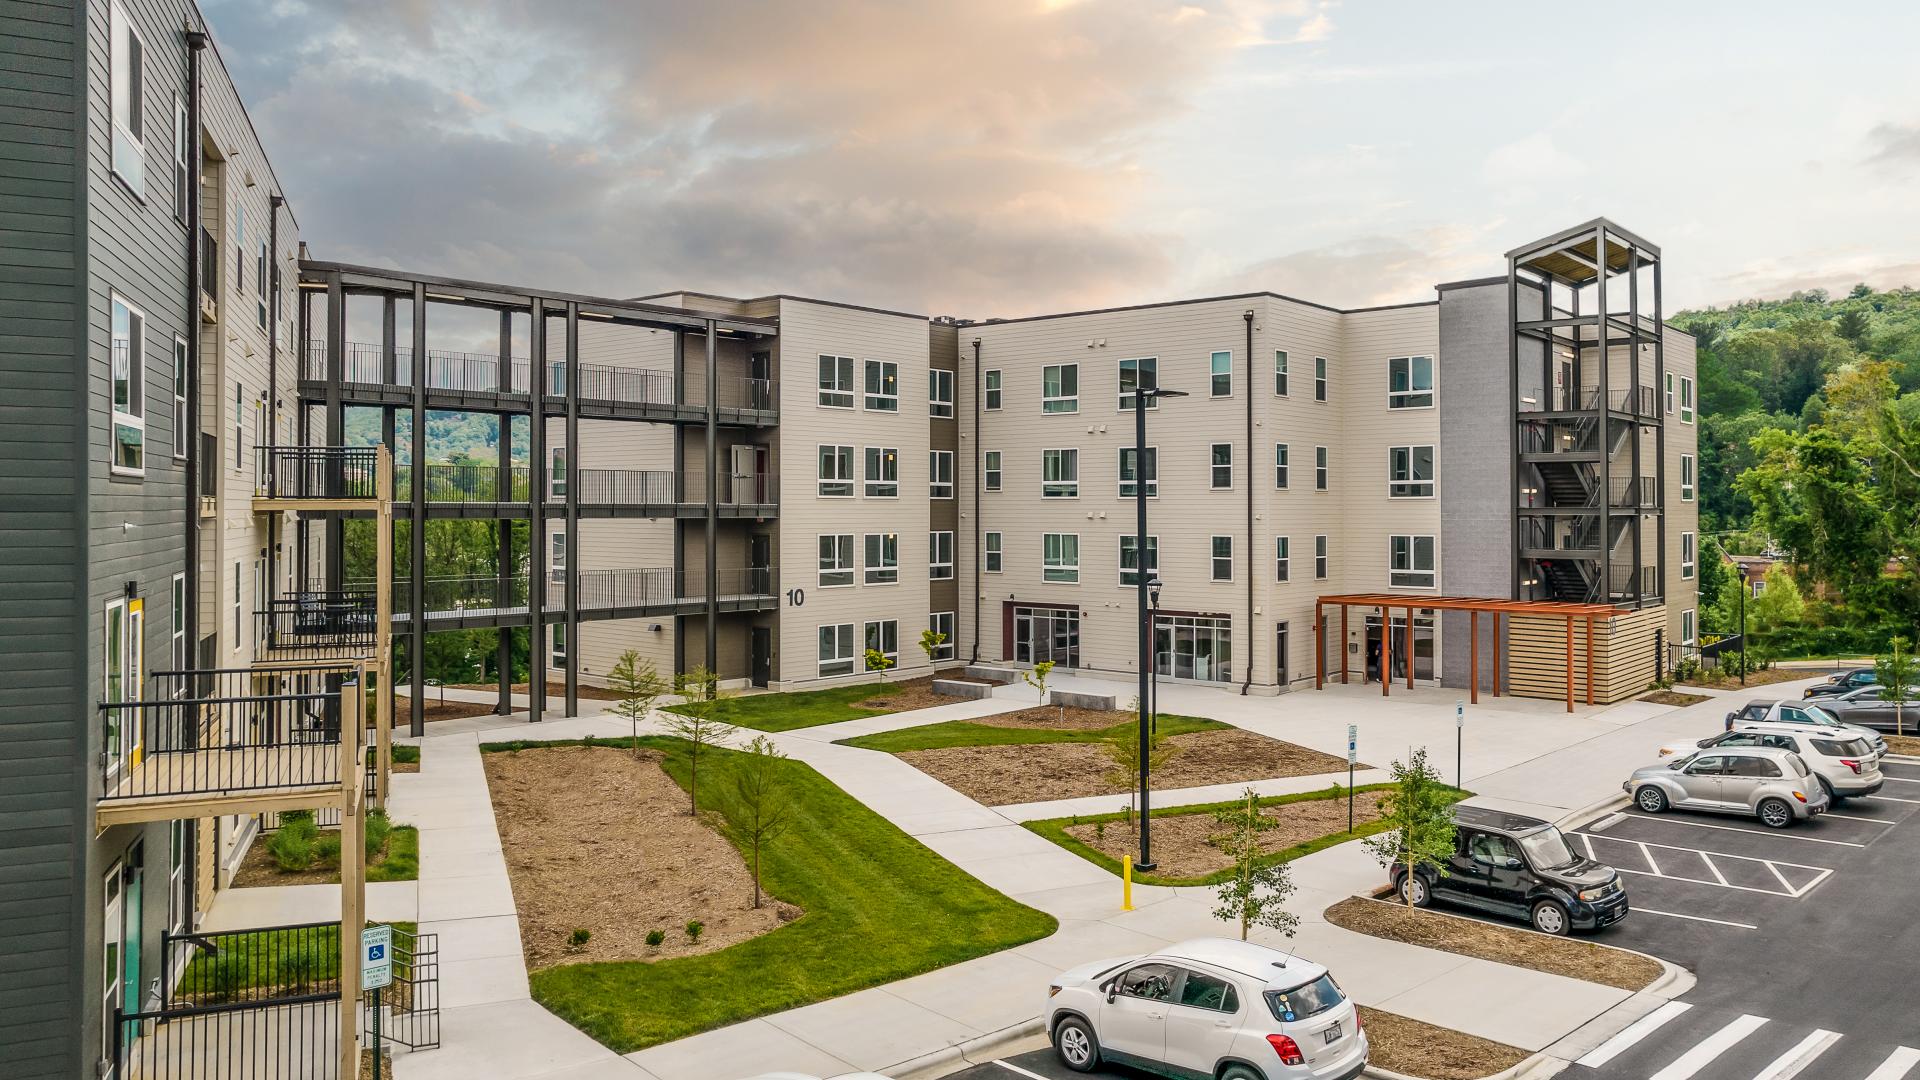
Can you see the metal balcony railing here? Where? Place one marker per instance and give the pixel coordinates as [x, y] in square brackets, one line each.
[1557, 437]
[472, 373]
[1640, 401]
[316, 472]
[659, 487]
[465, 483]
[600, 590]
[1621, 579]
[1544, 534]
[1559, 399]
[1634, 493]
[315, 622]
[627, 386]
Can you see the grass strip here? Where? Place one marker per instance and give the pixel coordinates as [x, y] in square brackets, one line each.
[799, 709]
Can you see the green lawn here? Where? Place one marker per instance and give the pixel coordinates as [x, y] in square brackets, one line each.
[247, 960]
[406, 753]
[968, 733]
[806, 708]
[1055, 829]
[402, 861]
[878, 906]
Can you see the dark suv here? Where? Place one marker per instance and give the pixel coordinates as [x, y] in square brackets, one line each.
[1840, 683]
[1520, 867]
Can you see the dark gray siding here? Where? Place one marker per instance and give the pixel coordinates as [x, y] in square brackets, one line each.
[943, 515]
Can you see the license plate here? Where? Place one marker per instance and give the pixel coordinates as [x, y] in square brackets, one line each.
[1331, 1034]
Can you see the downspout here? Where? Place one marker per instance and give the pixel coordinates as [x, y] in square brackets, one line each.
[196, 41]
[978, 388]
[1247, 684]
[274, 203]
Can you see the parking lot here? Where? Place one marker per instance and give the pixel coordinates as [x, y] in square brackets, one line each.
[1040, 1065]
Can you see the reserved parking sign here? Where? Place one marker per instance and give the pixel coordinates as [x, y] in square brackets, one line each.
[376, 957]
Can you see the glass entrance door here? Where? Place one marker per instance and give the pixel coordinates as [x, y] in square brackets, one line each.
[1047, 634]
[1396, 652]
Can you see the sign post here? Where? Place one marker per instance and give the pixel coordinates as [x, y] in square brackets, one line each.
[1459, 736]
[376, 973]
[1353, 755]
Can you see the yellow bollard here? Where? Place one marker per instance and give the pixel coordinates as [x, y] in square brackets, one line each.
[1126, 883]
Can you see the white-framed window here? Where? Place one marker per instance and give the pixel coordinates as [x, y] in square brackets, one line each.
[239, 420]
[1410, 562]
[1686, 477]
[557, 473]
[992, 470]
[883, 386]
[1687, 548]
[1280, 466]
[1220, 374]
[1060, 557]
[239, 248]
[836, 472]
[120, 682]
[128, 347]
[1145, 372]
[993, 390]
[1220, 466]
[236, 607]
[1410, 472]
[1151, 479]
[1221, 551]
[1686, 399]
[1060, 388]
[836, 649]
[113, 972]
[1320, 557]
[994, 553]
[883, 472]
[1319, 378]
[939, 474]
[181, 146]
[1280, 373]
[941, 622]
[1687, 619]
[1282, 549]
[940, 556]
[559, 640]
[179, 396]
[177, 641]
[1319, 468]
[836, 560]
[939, 392]
[1410, 382]
[260, 279]
[883, 558]
[1669, 392]
[1060, 474]
[126, 71]
[1129, 570]
[557, 557]
[883, 636]
[836, 381]
[259, 599]
[179, 907]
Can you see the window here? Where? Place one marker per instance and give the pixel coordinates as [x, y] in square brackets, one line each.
[239, 417]
[836, 560]
[940, 556]
[558, 561]
[1151, 981]
[1060, 388]
[1193, 647]
[1686, 477]
[1410, 382]
[1320, 557]
[1280, 372]
[1143, 372]
[1319, 468]
[1280, 466]
[1151, 479]
[993, 470]
[560, 646]
[1281, 549]
[1280, 652]
[1220, 374]
[129, 361]
[1669, 391]
[883, 472]
[1129, 568]
[1221, 469]
[940, 474]
[1686, 399]
[836, 381]
[1686, 627]
[1060, 557]
[883, 558]
[1223, 558]
[179, 401]
[178, 905]
[181, 144]
[556, 472]
[836, 649]
[1059, 474]
[239, 249]
[883, 386]
[939, 392]
[260, 281]
[1206, 992]
[120, 680]
[836, 472]
[236, 607]
[993, 553]
[1410, 564]
[1686, 555]
[1410, 472]
[941, 622]
[993, 391]
[1319, 378]
[177, 644]
[882, 636]
[127, 72]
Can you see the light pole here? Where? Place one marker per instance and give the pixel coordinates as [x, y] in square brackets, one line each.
[1141, 395]
[1742, 567]
[1153, 680]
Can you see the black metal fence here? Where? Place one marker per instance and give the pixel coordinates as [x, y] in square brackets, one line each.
[1638, 400]
[620, 385]
[317, 621]
[317, 472]
[659, 487]
[464, 483]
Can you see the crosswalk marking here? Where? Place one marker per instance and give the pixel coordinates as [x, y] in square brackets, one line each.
[1788, 1065]
[1632, 1034]
[1709, 1048]
[1896, 1066]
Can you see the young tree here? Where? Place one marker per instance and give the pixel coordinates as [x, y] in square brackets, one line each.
[762, 801]
[930, 642]
[1124, 749]
[1779, 604]
[880, 662]
[640, 688]
[1419, 817]
[1255, 895]
[1037, 678]
[1897, 673]
[695, 722]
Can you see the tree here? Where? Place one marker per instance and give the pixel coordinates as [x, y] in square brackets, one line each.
[1037, 678]
[1718, 584]
[1896, 673]
[1852, 325]
[930, 642]
[694, 721]
[1779, 604]
[880, 662]
[1124, 749]
[762, 801]
[1418, 812]
[640, 688]
[1256, 895]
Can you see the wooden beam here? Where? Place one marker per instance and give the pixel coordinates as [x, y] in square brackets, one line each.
[1569, 663]
[1473, 657]
[1343, 644]
[353, 870]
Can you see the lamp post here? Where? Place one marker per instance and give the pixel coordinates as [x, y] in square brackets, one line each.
[1153, 623]
[1141, 395]
[1742, 567]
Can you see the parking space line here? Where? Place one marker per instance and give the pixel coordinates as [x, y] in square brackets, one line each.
[1899, 1064]
[1715, 870]
[1889, 798]
[1589, 844]
[1695, 918]
[1896, 779]
[1709, 1048]
[1704, 881]
[1716, 854]
[1811, 885]
[1789, 1065]
[1011, 1067]
[1648, 855]
[1888, 822]
[1784, 883]
[1780, 834]
[1632, 1033]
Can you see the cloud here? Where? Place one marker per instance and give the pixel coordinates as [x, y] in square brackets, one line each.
[1895, 145]
[1835, 273]
[1370, 270]
[1532, 160]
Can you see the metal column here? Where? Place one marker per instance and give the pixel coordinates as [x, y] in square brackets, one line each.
[417, 532]
[572, 457]
[504, 563]
[1602, 332]
[537, 544]
[336, 414]
[713, 498]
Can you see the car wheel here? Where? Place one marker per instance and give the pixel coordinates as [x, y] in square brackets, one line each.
[1650, 799]
[1550, 918]
[1075, 1045]
[1774, 813]
[1833, 796]
[1239, 1072]
[1414, 891]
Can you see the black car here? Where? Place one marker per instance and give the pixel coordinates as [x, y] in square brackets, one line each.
[1851, 679]
[1520, 867]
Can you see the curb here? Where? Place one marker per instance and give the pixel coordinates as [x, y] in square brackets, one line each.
[1537, 1067]
[947, 1058]
[1573, 818]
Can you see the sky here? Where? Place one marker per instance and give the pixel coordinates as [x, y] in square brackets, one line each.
[1013, 157]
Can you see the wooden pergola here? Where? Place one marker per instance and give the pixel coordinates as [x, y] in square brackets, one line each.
[1384, 603]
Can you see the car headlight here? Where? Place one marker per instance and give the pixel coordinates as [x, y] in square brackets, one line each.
[1597, 893]
[1052, 990]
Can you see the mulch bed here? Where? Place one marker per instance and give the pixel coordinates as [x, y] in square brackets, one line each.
[1674, 697]
[1903, 744]
[406, 766]
[1413, 1048]
[1183, 843]
[910, 694]
[258, 867]
[1055, 718]
[1714, 680]
[1573, 957]
[554, 689]
[439, 710]
[597, 839]
[1003, 775]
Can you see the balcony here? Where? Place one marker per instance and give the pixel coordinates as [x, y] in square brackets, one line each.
[662, 493]
[317, 625]
[453, 603]
[465, 485]
[1634, 493]
[1560, 537]
[320, 477]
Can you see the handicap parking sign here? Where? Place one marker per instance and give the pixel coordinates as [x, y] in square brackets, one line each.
[376, 957]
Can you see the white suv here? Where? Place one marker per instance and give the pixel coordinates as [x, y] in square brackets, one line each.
[1211, 1007]
[1841, 760]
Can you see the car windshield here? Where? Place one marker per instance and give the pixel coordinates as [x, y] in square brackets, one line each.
[1546, 848]
[1301, 1002]
[1808, 714]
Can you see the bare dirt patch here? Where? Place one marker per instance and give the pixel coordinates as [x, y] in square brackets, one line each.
[406, 766]
[1002, 775]
[910, 694]
[1182, 843]
[1055, 718]
[1573, 957]
[438, 710]
[1412, 1048]
[1903, 744]
[1717, 680]
[1673, 697]
[596, 839]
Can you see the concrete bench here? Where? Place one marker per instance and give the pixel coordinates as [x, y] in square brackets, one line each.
[1075, 700]
[973, 691]
[1004, 675]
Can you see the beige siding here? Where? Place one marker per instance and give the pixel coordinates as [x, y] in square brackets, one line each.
[1682, 515]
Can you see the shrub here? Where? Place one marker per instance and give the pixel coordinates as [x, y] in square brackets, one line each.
[579, 938]
[326, 849]
[655, 938]
[378, 828]
[294, 845]
[694, 928]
